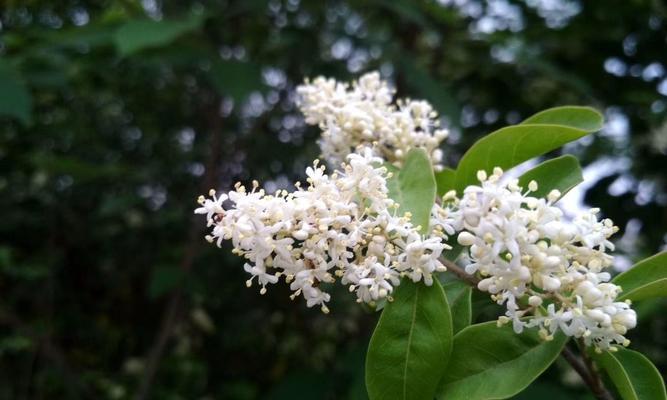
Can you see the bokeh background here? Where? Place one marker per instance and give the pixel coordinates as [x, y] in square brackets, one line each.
[116, 114]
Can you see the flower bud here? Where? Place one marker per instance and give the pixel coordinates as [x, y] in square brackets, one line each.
[466, 239]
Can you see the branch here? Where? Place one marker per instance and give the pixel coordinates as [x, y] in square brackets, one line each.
[577, 365]
[597, 386]
[460, 272]
[586, 370]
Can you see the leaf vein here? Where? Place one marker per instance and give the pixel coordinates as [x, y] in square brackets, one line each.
[407, 349]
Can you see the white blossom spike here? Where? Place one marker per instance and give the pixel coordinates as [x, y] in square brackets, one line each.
[341, 226]
[523, 248]
[362, 114]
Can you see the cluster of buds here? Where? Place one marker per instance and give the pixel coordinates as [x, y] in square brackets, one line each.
[548, 272]
[363, 114]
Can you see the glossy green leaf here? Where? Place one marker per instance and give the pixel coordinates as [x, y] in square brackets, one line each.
[137, 35]
[634, 376]
[413, 187]
[585, 118]
[411, 344]
[552, 390]
[489, 362]
[15, 98]
[235, 78]
[445, 181]
[561, 173]
[459, 295]
[646, 279]
[510, 146]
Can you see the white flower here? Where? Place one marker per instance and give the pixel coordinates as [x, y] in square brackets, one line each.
[362, 114]
[522, 248]
[341, 225]
[372, 280]
[420, 258]
[211, 206]
[548, 272]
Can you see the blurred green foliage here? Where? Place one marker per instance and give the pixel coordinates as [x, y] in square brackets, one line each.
[116, 114]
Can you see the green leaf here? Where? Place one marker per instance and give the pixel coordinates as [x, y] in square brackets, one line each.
[585, 118]
[445, 181]
[561, 173]
[411, 344]
[459, 296]
[15, 98]
[137, 35]
[634, 376]
[510, 146]
[545, 390]
[413, 187]
[235, 78]
[489, 362]
[646, 279]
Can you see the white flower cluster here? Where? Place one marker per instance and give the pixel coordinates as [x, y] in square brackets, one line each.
[362, 114]
[342, 225]
[548, 272]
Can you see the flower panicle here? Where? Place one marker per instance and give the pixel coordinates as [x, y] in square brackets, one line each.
[341, 226]
[548, 272]
[363, 113]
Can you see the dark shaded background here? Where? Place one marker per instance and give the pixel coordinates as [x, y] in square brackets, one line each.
[111, 124]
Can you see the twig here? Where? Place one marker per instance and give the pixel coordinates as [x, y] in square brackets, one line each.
[460, 272]
[586, 369]
[597, 386]
[578, 365]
